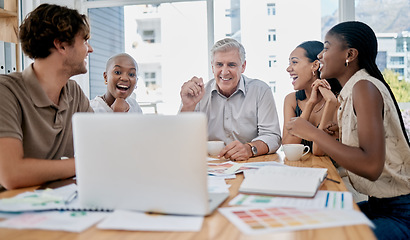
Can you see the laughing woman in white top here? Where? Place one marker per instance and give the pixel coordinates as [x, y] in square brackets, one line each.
[374, 147]
[121, 79]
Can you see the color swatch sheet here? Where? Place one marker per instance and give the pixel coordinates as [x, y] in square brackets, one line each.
[256, 220]
[322, 200]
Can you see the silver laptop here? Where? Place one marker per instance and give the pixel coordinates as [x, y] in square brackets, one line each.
[150, 163]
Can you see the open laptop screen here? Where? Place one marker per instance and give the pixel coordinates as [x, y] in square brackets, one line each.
[142, 162]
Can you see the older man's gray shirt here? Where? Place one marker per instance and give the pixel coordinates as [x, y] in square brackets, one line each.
[249, 114]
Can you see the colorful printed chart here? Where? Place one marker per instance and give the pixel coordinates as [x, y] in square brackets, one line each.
[323, 200]
[254, 220]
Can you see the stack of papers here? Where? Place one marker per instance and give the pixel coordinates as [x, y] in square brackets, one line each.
[225, 169]
[229, 169]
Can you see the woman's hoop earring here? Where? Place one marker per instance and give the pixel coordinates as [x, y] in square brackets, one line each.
[347, 63]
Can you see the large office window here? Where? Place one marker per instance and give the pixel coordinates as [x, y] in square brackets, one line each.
[170, 42]
[393, 32]
[329, 15]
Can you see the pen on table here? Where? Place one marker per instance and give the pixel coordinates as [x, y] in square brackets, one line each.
[71, 197]
[333, 180]
[327, 199]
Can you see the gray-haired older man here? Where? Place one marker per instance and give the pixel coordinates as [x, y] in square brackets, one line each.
[241, 111]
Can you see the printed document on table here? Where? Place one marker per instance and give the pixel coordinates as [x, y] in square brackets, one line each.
[62, 198]
[224, 169]
[139, 221]
[39, 200]
[228, 169]
[54, 220]
[9, 215]
[217, 185]
[212, 159]
[322, 200]
[262, 220]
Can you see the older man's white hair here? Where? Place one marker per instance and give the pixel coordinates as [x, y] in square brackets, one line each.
[227, 44]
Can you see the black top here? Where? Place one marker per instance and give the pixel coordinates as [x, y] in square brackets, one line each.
[301, 95]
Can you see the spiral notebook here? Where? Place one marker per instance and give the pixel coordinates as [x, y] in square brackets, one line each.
[284, 181]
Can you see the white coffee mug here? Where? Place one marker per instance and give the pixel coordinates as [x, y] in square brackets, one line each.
[215, 147]
[294, 152]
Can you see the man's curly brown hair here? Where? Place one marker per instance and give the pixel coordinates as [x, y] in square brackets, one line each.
[49, 22]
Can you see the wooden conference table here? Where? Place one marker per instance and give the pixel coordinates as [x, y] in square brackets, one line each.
[214, 226]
